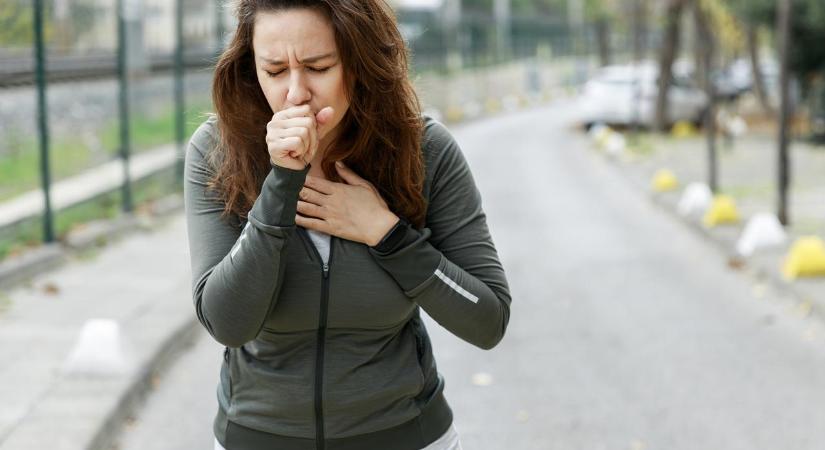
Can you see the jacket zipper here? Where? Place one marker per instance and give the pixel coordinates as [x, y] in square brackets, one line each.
[319, 350]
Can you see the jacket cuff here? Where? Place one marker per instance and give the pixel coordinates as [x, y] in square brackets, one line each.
[278, 201]
[413, 260]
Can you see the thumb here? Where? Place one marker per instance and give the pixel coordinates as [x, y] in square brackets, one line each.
[324, 115]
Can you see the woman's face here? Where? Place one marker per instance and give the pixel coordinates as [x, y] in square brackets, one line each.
[297, 63]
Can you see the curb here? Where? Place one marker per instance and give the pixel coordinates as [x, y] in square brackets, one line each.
[155, 339]
[140, 385]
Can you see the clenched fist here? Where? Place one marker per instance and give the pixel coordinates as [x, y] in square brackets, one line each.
[292, 136]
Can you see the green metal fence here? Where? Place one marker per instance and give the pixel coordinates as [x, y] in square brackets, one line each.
[87, 82]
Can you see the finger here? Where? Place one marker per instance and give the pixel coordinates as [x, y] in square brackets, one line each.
[319, 184]
[349, 175]
[308, 122]
[287, 146]
[312, 224]
[308, 209]
[299, 132]
[324, 115]
[293, 122]
[312, 196]
[313, 140]
[291, 112]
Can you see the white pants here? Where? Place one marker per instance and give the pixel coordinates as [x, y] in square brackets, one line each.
[447, 441]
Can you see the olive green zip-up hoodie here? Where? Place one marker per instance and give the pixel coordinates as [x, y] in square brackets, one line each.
[335, 356]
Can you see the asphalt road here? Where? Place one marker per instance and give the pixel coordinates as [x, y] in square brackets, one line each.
[627, 330]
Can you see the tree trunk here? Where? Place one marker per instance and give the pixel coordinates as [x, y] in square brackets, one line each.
[670, 47]
[705, 35]
[783, 27]
[756, 69]
[639, 28]
[603, 40]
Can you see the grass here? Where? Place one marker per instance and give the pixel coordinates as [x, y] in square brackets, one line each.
[151, 132]
[69, 155]
[21, 173]
[29, 233]
[640, 144]
[758, 191]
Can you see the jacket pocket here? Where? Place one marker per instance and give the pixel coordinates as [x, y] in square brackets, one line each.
[420, 351]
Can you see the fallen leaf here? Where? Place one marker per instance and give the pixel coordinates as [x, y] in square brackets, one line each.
[51, 288]
[736, 263]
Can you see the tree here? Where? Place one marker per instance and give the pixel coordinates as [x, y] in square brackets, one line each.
[783, 28]
[16, 23]
[755, 14]
[704, 29]
[801, 34]
[807, 56]
[601, 13]
[667, 53]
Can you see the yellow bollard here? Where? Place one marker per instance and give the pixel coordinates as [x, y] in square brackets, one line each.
[664, 180]
[721, 211]
[683, 129]
[805, 259]
[454, 113]
[492, 105]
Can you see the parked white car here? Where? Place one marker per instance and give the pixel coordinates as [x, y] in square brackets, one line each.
[626, 95]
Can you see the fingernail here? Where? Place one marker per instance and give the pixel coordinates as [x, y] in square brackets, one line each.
[339, 164]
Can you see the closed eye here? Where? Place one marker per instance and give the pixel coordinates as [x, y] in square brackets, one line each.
[311, 69]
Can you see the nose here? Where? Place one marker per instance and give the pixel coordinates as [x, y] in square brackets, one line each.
[298, 93]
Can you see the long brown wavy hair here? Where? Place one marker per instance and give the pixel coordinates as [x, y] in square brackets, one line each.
[380, 134]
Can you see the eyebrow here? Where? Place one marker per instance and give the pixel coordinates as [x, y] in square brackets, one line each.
[311, 59]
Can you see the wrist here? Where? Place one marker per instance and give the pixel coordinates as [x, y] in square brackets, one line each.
[385, 225]
[393, 238]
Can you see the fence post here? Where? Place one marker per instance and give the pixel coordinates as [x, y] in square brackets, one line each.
[43, 120]
[123, 86]
[220, 29]
[179, 98]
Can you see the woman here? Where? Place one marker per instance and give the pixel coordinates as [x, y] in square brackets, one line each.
[310, 272]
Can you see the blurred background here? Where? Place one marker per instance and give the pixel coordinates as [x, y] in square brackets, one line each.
[712, 110]
[121, 85]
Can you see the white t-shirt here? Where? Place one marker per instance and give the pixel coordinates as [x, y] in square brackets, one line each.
[321, 241]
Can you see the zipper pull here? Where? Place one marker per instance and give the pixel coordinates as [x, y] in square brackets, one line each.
[326, 270]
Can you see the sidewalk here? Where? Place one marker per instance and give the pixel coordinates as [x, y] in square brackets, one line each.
[142, 282]
[747, 172]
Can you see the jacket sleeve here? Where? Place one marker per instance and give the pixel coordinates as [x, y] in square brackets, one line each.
[451, 267]
[236, 273]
